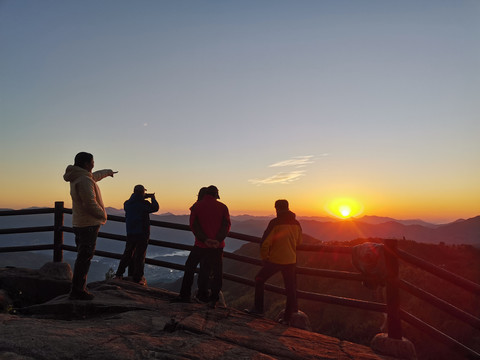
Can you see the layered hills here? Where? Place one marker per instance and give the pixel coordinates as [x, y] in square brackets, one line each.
[462, 231]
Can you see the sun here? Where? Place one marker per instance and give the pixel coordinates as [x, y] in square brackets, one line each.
[344, 208]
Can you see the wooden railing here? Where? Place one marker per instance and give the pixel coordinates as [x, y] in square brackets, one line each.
[392, 256]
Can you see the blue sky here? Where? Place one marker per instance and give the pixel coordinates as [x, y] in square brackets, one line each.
[307, 100]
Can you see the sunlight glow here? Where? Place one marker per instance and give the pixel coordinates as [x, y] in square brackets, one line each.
[344, 208]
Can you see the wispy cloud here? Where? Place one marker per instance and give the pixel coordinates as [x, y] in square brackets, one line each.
[287, 177]
[281, 178]
[298, 161]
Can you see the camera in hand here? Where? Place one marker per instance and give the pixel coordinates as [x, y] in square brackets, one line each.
[149, 196]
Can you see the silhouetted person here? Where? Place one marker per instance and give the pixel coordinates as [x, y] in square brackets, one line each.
[88, 214]
[205, 274]
[210, 223]
[278, 251]
[203, 294]
[137, 219]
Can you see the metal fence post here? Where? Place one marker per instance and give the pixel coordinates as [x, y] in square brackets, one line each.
[58, 232]
[392, 290]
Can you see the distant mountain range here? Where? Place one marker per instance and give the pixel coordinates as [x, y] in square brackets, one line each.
[315, 229]
[458, 232]
[329, 229]
[320, 228]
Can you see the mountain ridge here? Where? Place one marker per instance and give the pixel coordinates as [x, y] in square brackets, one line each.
[457, 232]
[321, 228]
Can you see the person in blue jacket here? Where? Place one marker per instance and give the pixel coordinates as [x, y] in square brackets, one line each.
[137, 218]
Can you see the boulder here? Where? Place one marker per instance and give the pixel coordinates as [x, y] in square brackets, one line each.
[56, 270]
[27, 286]
[299, 320]
[399, 348]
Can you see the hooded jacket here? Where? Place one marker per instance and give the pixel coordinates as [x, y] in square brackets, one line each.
[137, 211]
[281, 238]
[87, 203]
[209, 219]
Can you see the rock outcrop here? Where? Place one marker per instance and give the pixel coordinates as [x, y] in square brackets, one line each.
[130, 321]
[25, 287]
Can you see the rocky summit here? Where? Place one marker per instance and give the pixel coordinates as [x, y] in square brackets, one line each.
[130, 321]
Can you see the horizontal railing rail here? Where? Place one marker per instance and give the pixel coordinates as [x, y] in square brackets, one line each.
[33, 211]
[441, 273]
[9, 249]
[391, 307]
[438, 335]
[25, 230]
[440, 304]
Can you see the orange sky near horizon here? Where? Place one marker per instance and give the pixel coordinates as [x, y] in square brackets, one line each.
[311, 204]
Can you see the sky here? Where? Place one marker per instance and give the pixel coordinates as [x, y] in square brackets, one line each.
[369, 105]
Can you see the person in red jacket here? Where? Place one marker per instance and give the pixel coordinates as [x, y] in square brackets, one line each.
[210, 223]
[278, 251]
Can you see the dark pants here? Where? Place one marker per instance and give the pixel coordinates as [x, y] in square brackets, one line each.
[134, 256]
[289, 279]
[212, 262]
[204, 279]
[85, 239]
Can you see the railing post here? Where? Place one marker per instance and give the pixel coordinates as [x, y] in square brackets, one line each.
[392, 290]
[58, 232]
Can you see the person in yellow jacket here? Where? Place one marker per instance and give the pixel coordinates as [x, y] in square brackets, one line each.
[88, 213]
[278, 251]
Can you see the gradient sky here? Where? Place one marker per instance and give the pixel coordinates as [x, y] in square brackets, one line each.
[312, 101]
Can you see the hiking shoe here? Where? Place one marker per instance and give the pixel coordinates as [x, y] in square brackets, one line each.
[212, 304]
[81, 295]
[118, 277]
[254, 312]
[201, 297]
[284, 322]
[142, 281]
[200, 300]
[181, 299]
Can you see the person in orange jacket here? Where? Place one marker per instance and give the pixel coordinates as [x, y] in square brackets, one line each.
[278, 251]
